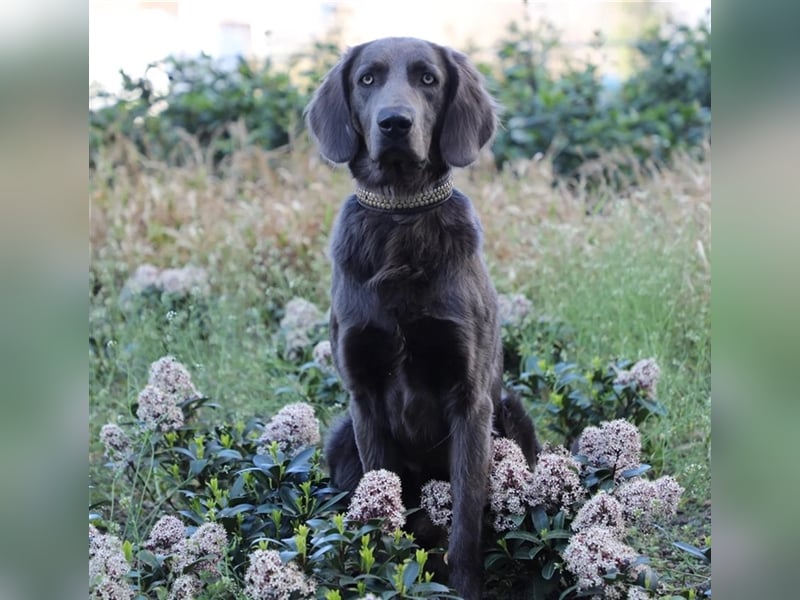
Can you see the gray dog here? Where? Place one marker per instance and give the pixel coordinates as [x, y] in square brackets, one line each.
[414, 326]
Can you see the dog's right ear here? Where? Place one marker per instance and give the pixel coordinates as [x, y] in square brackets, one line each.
[328, 113]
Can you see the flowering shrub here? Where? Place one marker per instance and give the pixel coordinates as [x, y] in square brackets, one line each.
[202, 510]
[614, 446]
[574, 399]
[568, 537]
[300, 319]
[240, 511]
[150, 281]
[268, 578]
[107, 567]
[294, 427]
[378, 496]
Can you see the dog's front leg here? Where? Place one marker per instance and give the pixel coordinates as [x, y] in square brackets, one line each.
[375, 448]
[469, 471]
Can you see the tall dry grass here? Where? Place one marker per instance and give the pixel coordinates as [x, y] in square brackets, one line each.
[259, 203]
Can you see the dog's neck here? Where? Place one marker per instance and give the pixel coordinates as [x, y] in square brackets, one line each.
[401, 187]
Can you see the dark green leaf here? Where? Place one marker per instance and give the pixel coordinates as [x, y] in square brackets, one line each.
[150, 559]
[229, 454]
[196, 467]
[540, 519]
[523, 535]
[704, 555]
[300, 463]
[410, 574]
[549, 569]
[431, 587]
[492, 559]
[558, 534]
[232, 511]
[635, 471]
[263, 462]
[330, 503]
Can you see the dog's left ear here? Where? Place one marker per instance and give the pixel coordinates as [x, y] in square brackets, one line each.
[328, 113]
[470, 118]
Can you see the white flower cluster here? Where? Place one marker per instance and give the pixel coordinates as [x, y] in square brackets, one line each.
[645, 373]
[169, 384]
[513, 308]
[107, 567]
[204, 550]
[556, 481]
[208, 543]
[513, 488]
[158, 409]
[615, 444]
[510, 484]
[601, 509]
[645, 502]
[172, 377]
[437, 501]
[115, 441]
[185, 587]
[594, 552]
[379, 495]
[165, 535]
[637, 593]
[294, 426]
[323, 356]
[268, 578]
[299, 319]
[180, 281]
[595, 549]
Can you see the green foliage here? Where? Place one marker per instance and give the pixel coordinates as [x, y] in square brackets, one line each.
[568, 397]
[575, 399]
[210, 106]
[676, 66]
[575, 119]
[528, 562]
[352, 560]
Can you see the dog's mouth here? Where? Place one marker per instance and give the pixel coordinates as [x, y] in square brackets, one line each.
[399, 158]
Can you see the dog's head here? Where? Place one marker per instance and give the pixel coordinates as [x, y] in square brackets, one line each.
[402, 103]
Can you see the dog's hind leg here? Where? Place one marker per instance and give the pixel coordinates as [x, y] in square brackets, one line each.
[341, 454]
[512, 421]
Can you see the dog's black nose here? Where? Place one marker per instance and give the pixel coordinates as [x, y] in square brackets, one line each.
[394, 123]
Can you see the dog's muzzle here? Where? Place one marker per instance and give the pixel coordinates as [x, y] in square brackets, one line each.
[395, 123]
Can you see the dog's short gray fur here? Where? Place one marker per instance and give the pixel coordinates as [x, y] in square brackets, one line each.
[414, 326]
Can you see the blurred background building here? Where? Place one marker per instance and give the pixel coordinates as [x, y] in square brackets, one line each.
[130, 34]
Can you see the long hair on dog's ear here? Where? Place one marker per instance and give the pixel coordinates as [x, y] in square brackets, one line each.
[328, 113]
[470, 118]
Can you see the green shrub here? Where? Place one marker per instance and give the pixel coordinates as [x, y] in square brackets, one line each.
[209, 110]
[210, 106]
[572, 118]
[575, 399]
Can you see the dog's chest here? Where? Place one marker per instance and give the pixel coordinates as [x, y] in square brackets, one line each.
[407, 373]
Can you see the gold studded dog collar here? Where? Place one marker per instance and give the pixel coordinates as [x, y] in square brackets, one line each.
[421, 201]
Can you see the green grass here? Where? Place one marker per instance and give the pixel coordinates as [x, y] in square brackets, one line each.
[628, 271]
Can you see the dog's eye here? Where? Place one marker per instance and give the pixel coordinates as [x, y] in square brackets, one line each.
[367, 79]
[428, 79]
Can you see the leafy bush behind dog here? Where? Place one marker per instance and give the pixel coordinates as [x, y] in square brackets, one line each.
[211, 105]
[576, 119]
[208, 110]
